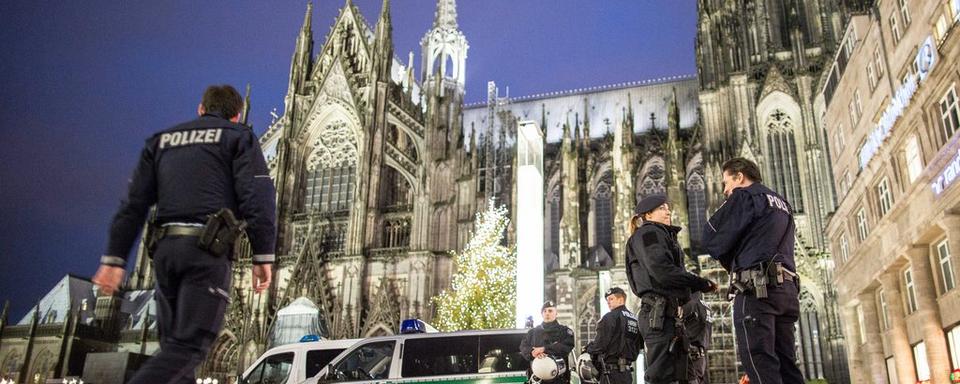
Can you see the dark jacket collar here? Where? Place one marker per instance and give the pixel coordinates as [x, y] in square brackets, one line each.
[672, 229]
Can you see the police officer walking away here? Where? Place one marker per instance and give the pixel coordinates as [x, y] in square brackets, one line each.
[198, 174]
[618, 340]
[549, 340]
[752, 235]
[656, 274]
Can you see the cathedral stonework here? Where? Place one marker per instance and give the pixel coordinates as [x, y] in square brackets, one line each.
[380, 170]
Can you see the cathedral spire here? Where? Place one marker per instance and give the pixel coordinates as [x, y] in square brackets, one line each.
[446, 16]
[543, 119]
[246, 106]
[383, 43]
[299, 66]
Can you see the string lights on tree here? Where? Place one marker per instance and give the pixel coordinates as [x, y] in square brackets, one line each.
[483, 290]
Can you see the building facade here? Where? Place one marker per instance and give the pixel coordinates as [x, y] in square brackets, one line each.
[891, 110]
[760, 67]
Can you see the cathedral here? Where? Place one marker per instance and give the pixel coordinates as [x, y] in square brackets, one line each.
[380, 169]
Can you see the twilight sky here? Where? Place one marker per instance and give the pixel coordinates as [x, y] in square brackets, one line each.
[84, 83]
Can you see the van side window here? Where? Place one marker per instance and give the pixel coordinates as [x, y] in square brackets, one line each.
[501, 353]
[319, 358]
[272, 370]
[436, 356]
[368, 362]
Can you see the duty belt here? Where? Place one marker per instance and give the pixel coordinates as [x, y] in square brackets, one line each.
[758, 278]
[179, 230]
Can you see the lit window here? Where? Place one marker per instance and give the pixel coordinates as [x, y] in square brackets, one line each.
[946, 266]
[861, 324]
[895, 29]
[949, 115]
[911, 291]
[904, 11]
[953, 342]
[941, 27]
[844, 247]
[885, 196]
[891, 371]
[883, 310]
[877, 60]
[856, 98]
[920, 361]
[852, 110]
[913, 158]
[863, 229]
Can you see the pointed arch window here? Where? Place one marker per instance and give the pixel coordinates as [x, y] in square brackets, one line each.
[553, 232]
[603, 213]
[652, 181]
[331, 169]
[782, 155]
[588, 327]
[696, 206]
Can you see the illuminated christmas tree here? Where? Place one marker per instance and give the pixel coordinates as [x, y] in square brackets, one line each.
[483, 292]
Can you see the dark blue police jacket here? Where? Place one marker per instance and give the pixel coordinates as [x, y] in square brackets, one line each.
[655, 263]
[754, 225]
[192, 170]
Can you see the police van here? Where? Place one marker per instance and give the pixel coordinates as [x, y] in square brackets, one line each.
[445, 357]
[294, 363]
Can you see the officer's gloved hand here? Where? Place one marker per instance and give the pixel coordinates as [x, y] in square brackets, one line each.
[712, 287]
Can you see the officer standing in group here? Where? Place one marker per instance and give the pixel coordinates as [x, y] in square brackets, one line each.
[550, 339]
[198, 174]
[697, 327]
[752, 236]
[618, 341]
[657, 275]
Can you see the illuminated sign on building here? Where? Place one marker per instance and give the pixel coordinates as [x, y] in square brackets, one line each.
[947, 176]
[924, 62]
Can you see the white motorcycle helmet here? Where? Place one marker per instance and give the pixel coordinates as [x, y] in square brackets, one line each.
[587, 371]
[547, 368]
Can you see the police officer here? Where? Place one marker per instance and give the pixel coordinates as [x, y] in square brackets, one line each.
[752, 235]
[549, 340]
[697, 327]
[618, 340]
[656, 274]
[190, 172]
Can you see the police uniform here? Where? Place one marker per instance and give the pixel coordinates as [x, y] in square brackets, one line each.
[556, 340]
[190, 171]
[697, 328]
[752, 235]
[617, 344]
[657, 275]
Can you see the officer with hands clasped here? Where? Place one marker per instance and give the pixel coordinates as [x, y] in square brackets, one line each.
[209, 182]
[657, 275]
[752, 236]
[618, 341]
[549, 340]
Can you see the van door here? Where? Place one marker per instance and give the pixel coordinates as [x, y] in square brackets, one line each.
[274, 369]
[371, 362]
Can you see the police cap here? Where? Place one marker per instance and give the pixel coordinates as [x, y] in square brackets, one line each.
[547, 304]
[614, 291]
[650, 203]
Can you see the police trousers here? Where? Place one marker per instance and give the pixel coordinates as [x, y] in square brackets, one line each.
[191, 296]
[765, 334]
[661, 366]
[617, 377]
